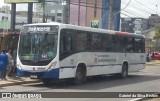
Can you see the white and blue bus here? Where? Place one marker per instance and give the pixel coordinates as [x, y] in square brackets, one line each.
[54, 51]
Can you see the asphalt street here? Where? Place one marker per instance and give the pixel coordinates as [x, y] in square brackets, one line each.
[147, 80]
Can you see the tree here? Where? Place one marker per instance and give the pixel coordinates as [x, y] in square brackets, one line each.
[157, 35]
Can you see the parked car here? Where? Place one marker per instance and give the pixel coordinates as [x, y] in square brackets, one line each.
[155, 56]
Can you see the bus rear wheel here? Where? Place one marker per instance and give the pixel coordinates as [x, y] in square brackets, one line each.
[124, 72]
[80, 76]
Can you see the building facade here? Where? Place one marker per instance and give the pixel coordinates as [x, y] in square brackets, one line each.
[134, 25]
[154, 19]
[84, 12]
[115, 16]
[55, 10]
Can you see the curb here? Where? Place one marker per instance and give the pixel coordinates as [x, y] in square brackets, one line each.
[18, 83]
[145, 99]
[152, 63]
[137, 99]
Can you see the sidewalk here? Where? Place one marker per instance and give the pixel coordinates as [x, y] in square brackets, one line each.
[154, 99]
[153, 62]
[16, 81]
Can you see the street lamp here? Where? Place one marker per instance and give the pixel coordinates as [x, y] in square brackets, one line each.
[156, 15]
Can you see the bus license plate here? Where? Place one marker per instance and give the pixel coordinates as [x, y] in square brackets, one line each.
[33, 76]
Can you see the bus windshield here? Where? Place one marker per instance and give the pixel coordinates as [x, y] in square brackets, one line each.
[37, 46]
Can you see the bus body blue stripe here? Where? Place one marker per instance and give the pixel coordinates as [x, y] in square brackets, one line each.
[54, 73]
[98, 65]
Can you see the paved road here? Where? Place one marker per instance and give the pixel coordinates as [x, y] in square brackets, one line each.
[147, 80]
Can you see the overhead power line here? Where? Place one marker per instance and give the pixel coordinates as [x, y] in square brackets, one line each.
[144, 6]
[126, 15]
[132, 5]
[91, 5]
[126, 5]
[133, 14]
[123, 8]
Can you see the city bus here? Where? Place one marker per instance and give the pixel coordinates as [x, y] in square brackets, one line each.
[56, 51]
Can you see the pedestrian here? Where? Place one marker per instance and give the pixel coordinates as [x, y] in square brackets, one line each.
[3, 64]
[10, 62]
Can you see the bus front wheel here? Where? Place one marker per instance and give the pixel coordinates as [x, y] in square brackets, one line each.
[80, 76]
[47, 82]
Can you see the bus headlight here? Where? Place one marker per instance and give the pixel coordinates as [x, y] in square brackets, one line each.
[52, 66]
[18, 66]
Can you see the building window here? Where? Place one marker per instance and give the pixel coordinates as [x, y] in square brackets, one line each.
[59, 14]
[59, 21]
[53, 11]
[53, 18]
[4, 18]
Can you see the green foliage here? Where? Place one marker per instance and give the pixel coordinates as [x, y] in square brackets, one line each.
[157, 33]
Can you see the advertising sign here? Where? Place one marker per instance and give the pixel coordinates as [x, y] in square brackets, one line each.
[138, 26]
[95, 23]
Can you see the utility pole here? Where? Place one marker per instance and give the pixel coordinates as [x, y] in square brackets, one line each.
[86, 13]
[156, 15]
[95, 8]
[110, 25]
[69, 11]
[79, 12]
[13, 16]
[30, 11]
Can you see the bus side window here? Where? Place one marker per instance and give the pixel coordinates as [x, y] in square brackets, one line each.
[139, 45]
[66, 43]
[130, 45]
[81, 41]
[115, 43]
[122, 42]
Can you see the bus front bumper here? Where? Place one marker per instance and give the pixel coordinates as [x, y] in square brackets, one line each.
[54, 73]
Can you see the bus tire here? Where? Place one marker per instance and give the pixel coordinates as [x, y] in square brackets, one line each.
[124, 72]
[80, 76]
[47, 82]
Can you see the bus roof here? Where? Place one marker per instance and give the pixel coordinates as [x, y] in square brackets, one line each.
[70, 26]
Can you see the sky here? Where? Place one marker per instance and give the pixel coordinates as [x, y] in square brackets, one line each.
[141, 8]
[136, 8]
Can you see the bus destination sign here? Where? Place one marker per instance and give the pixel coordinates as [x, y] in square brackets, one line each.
[38, 29]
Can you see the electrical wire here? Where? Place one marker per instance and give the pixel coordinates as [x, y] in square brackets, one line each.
[126, 5]
[139, 8]
[91, 5]
[132, 14]
[123, 8]
[75, 3]
[126, 15]
[144, 5]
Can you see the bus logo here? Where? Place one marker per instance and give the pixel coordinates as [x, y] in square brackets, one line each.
[141, 56]
[95, 60]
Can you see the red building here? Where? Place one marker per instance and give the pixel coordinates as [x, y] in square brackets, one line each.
[82, 12]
